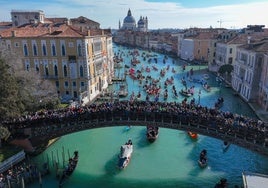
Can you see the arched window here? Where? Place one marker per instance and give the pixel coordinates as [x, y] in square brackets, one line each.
[46, 69]
[53, 50]
[34, 50]
[63, 50]
[81, 71]
[79, 50]
[44, 50]
[56, 70]
[37, 68]
[25, 50]
[65, 71]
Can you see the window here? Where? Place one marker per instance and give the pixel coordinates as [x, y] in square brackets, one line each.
[63, 53]
[75, 94]
[231, 51]
[37, 68]
[34, 50]
[44, 50]
[81, 71]
[46, 70]
[230, 60]
[79, 48]
[82, 84]
[74, 84]
[25, 50]
[66, 84]
[55, 70]
[53, 50]
[65, 70]
[57, 84]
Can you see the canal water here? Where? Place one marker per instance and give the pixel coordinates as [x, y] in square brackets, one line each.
[171, 161]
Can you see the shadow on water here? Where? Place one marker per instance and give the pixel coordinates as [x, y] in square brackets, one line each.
[142, 140]
[111, 166]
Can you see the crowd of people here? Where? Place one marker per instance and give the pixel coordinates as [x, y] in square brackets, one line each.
[187, 112]
[21, 174]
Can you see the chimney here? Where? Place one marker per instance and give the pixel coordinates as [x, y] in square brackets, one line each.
[13, 33]
[249, 37]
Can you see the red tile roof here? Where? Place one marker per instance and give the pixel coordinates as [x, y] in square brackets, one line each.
[43, 30]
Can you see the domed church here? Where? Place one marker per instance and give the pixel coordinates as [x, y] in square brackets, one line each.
[130, 23]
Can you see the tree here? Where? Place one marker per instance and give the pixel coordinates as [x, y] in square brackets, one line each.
[22, 90]
[225, 71]
[227, 68]
[10, 102]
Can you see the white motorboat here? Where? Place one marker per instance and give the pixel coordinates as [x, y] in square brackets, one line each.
[125, 154]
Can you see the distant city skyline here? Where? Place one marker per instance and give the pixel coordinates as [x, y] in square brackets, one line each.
[161, 14]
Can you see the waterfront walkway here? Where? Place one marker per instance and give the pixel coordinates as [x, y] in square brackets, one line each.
[237, 129]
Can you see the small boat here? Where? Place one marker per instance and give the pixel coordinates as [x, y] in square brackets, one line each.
[206, 76]
[222, 183]
[206, 87]
[219, 103]
[125, 154]
[152, 133]
[69, 169]
[203, 159]
[123, 91]
[193, 135]
[225, 146]
[185, 93]
[127, 128]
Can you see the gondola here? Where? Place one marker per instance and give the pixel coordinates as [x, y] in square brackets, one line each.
[203, 159]
[152, 133]
[69, 169]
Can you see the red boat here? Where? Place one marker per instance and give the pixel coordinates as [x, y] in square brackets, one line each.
[193, 135]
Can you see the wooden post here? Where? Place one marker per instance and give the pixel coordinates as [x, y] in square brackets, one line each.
[40, 179]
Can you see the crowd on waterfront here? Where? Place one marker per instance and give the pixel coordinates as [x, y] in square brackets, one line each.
[21, 174]
[190, 112]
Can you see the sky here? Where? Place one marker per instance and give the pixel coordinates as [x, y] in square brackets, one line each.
[182, 14]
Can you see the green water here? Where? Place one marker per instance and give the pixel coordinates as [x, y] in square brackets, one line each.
[171, 161]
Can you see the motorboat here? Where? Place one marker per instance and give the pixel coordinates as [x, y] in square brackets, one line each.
[123, 90]
[206, 76]
[185, 93]
[69, 169]
[152, 133]
[193, 135]
[125, 154]
[206, 87]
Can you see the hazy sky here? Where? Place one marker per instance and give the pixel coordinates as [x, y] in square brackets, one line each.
[161, 14]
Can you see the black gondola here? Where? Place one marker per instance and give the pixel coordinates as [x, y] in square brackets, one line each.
[69, 169]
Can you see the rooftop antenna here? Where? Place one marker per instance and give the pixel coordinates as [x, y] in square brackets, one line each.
[220, 21]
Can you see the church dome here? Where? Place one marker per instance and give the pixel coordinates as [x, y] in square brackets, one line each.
[141, 22]
[129, 18]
